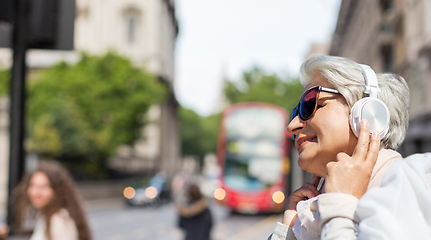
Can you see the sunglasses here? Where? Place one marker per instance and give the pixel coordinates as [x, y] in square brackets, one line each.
[307, 105]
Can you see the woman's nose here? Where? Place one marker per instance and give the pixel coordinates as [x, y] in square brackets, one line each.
[296, 125]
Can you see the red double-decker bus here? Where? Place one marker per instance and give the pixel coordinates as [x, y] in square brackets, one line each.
[253, 152]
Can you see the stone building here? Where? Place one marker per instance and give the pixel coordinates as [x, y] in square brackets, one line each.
[4, 152]
[145, 31]
[393, 36]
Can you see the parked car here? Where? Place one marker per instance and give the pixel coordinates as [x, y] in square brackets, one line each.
[155, 193]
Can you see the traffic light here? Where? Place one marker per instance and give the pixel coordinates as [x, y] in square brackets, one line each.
[6, 16]
[6, 10]
[42, 23]
[50, 23]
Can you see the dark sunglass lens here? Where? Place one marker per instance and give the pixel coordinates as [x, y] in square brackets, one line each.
[294, 113]
[308, 103]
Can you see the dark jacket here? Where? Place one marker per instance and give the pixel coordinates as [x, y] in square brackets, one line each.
[196, 226]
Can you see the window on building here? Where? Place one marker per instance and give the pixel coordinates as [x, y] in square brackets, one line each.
[83, 13]
[132, 24]
[386, 4]
[131, 30]
[387, 28]
[387, 57]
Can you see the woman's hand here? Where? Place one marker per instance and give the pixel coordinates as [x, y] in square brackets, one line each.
[351, 174]
[308, 190]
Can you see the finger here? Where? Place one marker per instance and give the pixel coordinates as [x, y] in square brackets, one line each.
[312, 188]
[315, 180]
[361, 148]
[309, 193]
[306, 191]
[373, 151]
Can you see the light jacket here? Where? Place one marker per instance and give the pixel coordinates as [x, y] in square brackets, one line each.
[62, 227]
[339, 215]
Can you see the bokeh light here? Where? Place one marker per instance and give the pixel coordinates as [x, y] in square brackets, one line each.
[278, 197]
[151, 192]
[129, 192]
[219, 194]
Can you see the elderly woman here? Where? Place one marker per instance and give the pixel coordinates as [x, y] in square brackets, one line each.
[352, 159]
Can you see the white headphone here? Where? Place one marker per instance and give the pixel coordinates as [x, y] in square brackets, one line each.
[370, 108]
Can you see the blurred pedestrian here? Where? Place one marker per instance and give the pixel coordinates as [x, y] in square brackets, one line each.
[49, 196]
[195, 217]
[4, 230]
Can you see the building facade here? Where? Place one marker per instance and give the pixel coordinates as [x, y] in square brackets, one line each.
[393, 36]
[4, 152]
[145, 31]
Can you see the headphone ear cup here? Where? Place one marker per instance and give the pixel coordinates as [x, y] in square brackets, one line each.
[372, 109]
[355, 116]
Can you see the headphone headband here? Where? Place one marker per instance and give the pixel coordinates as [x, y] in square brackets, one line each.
[371, 85]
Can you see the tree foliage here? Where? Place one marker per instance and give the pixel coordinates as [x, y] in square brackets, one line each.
[198, 134]
[4, 82]
[258, 86]
[81, 113]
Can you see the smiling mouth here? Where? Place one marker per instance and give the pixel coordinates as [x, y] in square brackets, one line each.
[313, 139]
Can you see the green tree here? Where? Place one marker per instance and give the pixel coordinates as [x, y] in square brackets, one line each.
[210, 125]
[258, 86]
[81, 113]
[4, 82]
[198, 134]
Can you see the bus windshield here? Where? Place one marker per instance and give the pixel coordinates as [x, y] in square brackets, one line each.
[253, 148]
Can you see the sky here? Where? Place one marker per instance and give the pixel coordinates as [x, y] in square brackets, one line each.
[221, 38]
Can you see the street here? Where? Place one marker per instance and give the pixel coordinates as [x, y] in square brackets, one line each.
[115, 221]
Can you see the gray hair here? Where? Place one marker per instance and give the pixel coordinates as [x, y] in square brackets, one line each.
[346, 76]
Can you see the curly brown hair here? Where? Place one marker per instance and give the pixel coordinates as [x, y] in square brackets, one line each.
[65, 196]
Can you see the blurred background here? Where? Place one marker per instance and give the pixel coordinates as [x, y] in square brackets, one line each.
[139, 101]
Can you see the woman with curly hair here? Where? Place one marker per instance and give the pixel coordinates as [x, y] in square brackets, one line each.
[49, 196]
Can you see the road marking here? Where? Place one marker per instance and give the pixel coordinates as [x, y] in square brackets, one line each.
[257, 228]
